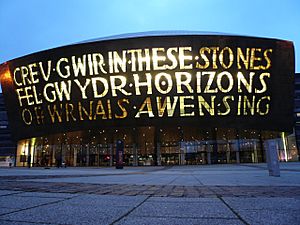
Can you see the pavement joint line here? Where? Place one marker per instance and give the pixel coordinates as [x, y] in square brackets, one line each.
[187, 217]
[130, 211]
[31, 222]
[49, 203]
[197, 179]
[233, 211]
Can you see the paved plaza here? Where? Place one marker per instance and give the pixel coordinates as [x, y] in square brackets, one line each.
[209, 194]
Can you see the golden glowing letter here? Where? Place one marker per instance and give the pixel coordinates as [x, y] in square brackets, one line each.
[202, 52]
[82, 109]
[120, 87]
[69, 112]
[63, 90]
[221, 58]
[183, 106]
[168, 84]
[79, 66]
[243, 58]
[45, 75]
[226, 104]
[263, 83]
[17, 72]
[172, 58]
[33, 73]
[209, 82]
[123, 109]
[267, 105]
[267, 58]
[83, 88]
[98, 62]
[146, 104]
[184, 57]
[254, 58]
[167, 104]
[156, 59]
[102, 93]
[209, 108]
[230, 81]
[241, 79]
[27, 119]
[249, 105]
[100, 111]
[214, 56]
[139, 84]
[66, 68]
[116, 62]
[49, 97]
[55, 113]
[180, 82]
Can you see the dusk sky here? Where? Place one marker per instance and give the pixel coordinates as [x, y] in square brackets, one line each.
[29, 26]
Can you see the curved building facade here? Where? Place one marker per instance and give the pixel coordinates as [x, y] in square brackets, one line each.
[171, 98]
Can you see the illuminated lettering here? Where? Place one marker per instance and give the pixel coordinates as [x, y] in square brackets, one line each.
[69, 112]
[168, 85]
[84, 112]
[183, 57]
[254, 58]
[243, 58]
[84, 87]
[96, 92]
[226, 105]
[146, 108]
[221, 57]
[79, 66]
[45, 75]
[119, 87]
[263, 83]
[249, 105]
[16, 72]
[204, 57]
[183, 106]
[267, 105]
[27, 96]
[210, 82]
[55, 114]
[241, 79]
[27, 116]
[33, 73]
[123, 109]
[267, 58]
[66, 68]
[167, 104]
[100, 111]
[63, 90]
[156, 59]
[98, 62]
[172, 58]
[139, 84]
[204, 104]
[181, 82]
[230, 81]
[52, 96]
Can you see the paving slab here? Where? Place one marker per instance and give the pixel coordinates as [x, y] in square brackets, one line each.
[14, 222]
[263, 203]
[8, 192]
[270, 217]
[19, 202]
[179, 208]
[87, 209]
[46, 195]
[176, 221]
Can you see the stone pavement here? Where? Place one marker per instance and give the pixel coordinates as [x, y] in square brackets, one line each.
[210, 194]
